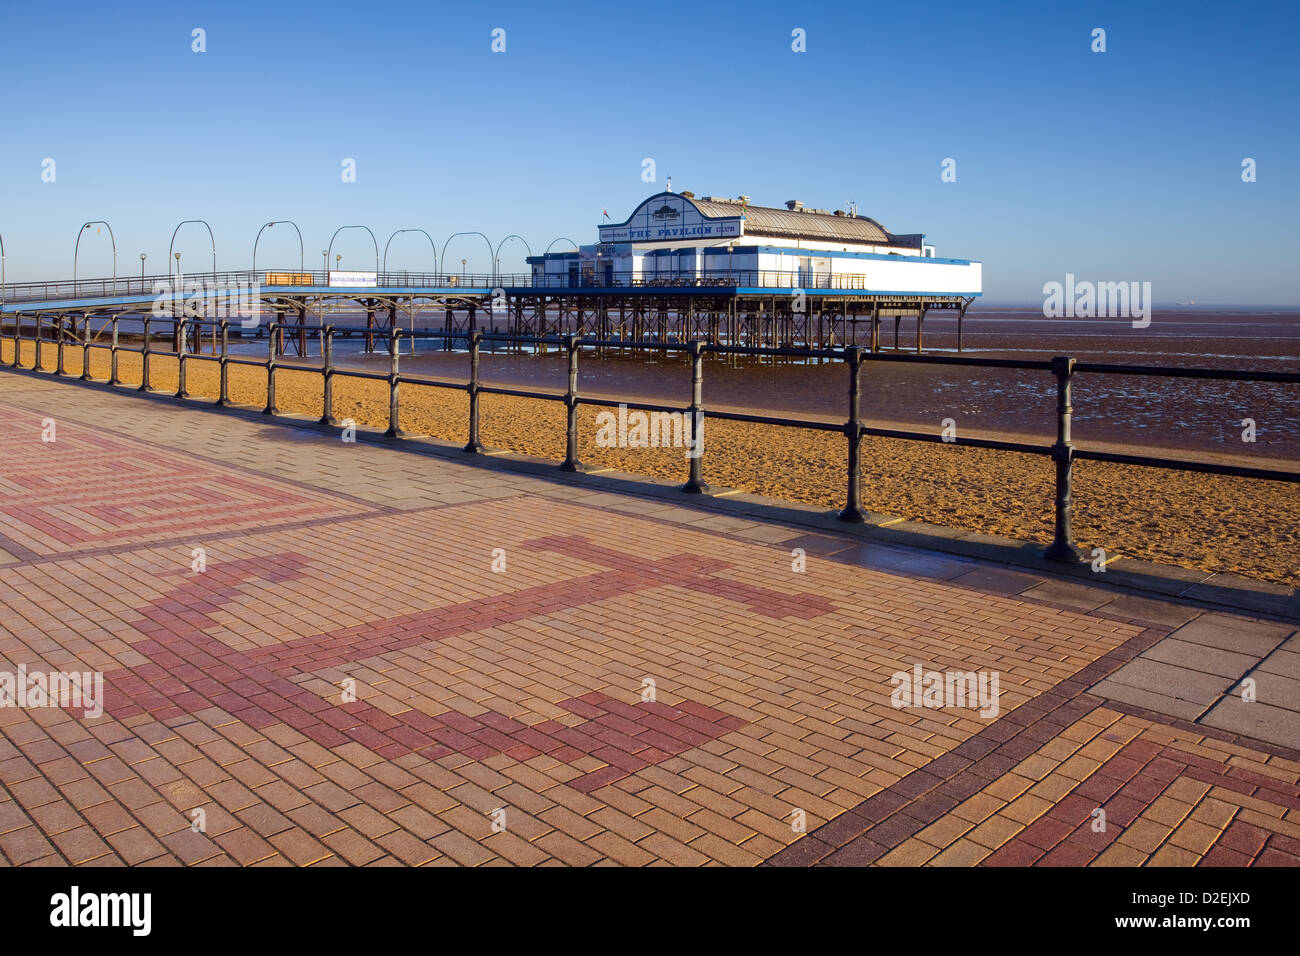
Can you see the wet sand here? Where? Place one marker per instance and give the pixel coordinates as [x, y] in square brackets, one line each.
[1206, 522]
[1182, 417]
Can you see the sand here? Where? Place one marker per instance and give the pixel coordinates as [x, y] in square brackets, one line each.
[1205, 522]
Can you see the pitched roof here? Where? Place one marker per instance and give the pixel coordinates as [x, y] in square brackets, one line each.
[786, 223]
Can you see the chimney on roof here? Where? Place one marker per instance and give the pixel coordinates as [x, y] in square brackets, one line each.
[794, 205]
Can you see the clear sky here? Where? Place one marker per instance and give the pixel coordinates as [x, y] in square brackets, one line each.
[1123, 165]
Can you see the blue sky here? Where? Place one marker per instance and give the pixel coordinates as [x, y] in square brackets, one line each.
[1123, 165]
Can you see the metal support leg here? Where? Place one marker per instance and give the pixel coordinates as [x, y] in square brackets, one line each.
[853, 432]
[223, 367]
[327, 374]
[112, 356]
[145, 351]
[182, 348]
[695, 484]
[571, 462]
[272, 334]
[394, 351]
[58, 368]
[85, 348]
[1062, 547]
[474, 447]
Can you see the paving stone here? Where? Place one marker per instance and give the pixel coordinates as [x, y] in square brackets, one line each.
[523, 691]
[1200, 657]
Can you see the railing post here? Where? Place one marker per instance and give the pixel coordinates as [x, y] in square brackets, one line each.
[271, 331]
[474, 447]
[40, 337]
[853, 431]
[18, 330]
[85, 348]
[223, 367]
[112, 356]
[59, 367]
[394, 351]
[182, 347]
[695, 484]
[1062, 547]
[327, 376]
[571, 462]
[145, 351]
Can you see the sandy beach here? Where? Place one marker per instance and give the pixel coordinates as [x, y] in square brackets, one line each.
[1206, 522]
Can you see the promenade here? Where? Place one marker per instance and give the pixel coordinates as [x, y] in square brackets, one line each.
[389, 653]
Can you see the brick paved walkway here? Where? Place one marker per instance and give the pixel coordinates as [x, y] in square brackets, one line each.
[641, 682]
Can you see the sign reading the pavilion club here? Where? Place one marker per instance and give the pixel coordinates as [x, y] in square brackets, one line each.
[670, 217]
[354, 280]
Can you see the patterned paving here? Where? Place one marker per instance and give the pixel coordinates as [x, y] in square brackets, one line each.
[88, 489]
[506, 671]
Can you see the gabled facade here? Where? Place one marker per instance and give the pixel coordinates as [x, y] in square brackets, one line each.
[678, 239]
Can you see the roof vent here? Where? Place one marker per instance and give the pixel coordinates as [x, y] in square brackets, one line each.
[839, 212]
[688, 194]
[794, 205]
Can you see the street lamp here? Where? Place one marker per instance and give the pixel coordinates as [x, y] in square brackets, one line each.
[2, 280]
[325, 257]
[178, 299]
[486, 240]
[462, 267]
[288, 222]
[76, 249]
[372, 239]
[338, 258]
[211, 238]
[398, 233]
[502, 243]
[143, 256]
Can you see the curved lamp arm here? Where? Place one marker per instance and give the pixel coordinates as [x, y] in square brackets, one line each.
[432, 245]
[278, 222]
[496, 258]
[211, 238]
[77, 248]
[372, 239]
[491, 252]
[557, 239]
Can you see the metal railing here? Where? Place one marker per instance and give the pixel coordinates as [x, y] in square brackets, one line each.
[268, 280]
[1062, 452]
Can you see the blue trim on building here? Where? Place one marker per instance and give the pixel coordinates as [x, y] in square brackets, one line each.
[824, 253]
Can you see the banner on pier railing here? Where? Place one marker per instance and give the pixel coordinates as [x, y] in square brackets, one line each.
[288, 278]
[354, 280]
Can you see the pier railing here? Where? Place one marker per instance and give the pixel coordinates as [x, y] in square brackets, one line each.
[141, 288]
[1062, 369]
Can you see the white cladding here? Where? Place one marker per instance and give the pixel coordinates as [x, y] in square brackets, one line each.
[668, 239]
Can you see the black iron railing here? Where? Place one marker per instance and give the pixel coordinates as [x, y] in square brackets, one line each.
[186, 335]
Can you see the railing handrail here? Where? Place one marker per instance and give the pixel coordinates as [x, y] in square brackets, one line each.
[1062, 451]
[106, 287]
